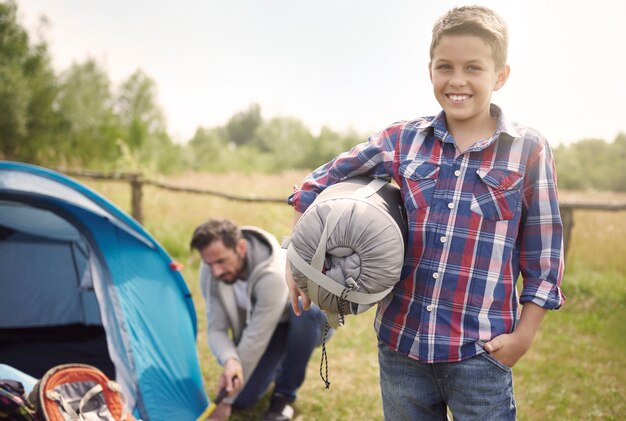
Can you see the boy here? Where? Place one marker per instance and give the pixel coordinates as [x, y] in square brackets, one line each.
[481, 199]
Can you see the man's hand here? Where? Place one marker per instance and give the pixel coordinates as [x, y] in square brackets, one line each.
[221, 413]
[231, 378]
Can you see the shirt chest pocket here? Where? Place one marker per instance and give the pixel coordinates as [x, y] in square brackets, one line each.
[497, 194]
[419, 181]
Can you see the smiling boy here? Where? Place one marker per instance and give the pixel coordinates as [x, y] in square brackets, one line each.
[481, 199]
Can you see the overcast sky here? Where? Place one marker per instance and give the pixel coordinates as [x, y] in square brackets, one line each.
[342, 63]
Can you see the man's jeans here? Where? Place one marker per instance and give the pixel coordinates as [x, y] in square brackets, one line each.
[286, 357]
[479, 388]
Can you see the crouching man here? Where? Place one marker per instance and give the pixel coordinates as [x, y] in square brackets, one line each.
[243, 283]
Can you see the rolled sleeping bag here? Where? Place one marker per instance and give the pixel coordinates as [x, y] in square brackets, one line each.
[347, 250]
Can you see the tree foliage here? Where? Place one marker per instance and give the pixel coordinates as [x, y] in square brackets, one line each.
[592, 164]
[27, 90]
[90, 125]
[79, 118]
[241, 128]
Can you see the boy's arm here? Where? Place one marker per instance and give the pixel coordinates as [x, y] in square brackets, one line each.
[541, 257]
[540, 236]
[509, 348]
[374, 158]
[294, 291]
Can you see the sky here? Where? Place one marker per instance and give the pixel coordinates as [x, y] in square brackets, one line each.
[345, 64]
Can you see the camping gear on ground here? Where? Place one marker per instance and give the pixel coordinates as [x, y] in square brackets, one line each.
[78, 392]
[347, 250]
[80, 278]
[10, 373]
[14, 406]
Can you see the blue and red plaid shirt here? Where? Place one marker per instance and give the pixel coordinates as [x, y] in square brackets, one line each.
[476, 220]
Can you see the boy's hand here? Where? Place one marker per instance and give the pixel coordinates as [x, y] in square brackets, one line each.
[508, 348]
[295, 292]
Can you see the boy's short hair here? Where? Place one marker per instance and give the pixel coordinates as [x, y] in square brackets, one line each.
[215, 229]
[474, 20]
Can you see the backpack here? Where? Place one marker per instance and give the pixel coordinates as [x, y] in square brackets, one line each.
[78, 392]
[13, 403]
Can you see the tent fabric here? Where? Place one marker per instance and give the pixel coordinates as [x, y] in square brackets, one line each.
[69, 256]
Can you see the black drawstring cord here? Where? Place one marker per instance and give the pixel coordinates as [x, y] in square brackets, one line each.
[324, 361]
[325, 357]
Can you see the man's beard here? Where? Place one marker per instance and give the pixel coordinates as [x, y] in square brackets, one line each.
[239, 275]
[229, 281]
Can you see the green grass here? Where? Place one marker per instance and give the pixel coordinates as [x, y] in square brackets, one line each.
[576, 369]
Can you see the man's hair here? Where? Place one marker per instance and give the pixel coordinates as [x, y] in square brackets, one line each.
[215, 229]
[478, 21]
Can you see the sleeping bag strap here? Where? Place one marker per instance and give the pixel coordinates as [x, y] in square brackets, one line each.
[330, 284]
[332, 219]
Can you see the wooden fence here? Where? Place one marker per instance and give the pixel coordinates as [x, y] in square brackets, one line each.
[137, 182]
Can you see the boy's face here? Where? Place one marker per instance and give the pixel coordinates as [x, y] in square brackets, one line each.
[464, 75]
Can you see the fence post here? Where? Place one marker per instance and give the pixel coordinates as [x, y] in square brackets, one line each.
[567, 218]
[136, 196]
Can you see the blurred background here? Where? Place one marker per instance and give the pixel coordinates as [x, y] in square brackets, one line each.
[247, 97]
[241, 85]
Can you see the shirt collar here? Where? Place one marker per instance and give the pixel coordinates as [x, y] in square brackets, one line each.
[503, 128]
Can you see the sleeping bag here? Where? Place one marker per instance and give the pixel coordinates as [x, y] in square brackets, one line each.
[346, 251]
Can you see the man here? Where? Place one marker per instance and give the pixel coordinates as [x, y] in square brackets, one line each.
[243, 283]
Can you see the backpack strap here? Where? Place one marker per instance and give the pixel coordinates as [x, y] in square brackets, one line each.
[51, 400]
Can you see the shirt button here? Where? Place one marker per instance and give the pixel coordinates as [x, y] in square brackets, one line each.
[430, 307]
[457, 173]
[436, 275]
[450, 205]
[443, 239]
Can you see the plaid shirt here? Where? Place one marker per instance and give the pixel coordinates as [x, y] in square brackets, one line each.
[476, 220]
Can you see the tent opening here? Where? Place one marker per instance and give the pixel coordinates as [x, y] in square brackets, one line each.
[49, 313]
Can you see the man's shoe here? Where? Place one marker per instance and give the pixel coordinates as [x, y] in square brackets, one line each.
[280, 409]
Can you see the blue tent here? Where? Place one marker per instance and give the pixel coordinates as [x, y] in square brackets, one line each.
[73, 264]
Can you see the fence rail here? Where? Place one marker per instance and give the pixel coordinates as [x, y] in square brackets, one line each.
[137, 181]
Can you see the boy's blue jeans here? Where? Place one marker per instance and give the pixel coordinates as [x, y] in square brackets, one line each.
[286, 357]
[479, 388]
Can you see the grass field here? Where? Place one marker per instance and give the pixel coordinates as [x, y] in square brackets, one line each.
[576, 369]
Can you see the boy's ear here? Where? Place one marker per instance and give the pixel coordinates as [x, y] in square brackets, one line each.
[430, 71]
[503, 75]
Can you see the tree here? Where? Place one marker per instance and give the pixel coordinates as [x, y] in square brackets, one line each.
[287, 139]
[327, 145]
[91, 128]
[28, 121]
[617, 153]
[241, 127]
[208, 148]
[143, 124]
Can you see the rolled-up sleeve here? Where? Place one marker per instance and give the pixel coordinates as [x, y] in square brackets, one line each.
[373, 158]
[541, 234]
